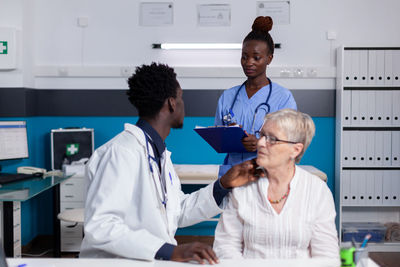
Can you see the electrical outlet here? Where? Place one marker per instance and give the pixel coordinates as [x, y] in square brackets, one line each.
[331, 35]
[298, 72]
[83, 22]
[126, 71]
[285, 73]
[62, 71]
[312, 72]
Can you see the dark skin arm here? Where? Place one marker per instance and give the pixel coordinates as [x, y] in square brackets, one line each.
[195, 251]
[241, 174]
[238, 175]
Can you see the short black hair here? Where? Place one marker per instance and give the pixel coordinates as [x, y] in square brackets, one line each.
[260, 32]
[150, 86]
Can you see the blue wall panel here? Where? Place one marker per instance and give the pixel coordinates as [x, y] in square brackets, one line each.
[185, 144]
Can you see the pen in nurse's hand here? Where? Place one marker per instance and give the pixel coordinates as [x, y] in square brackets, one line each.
[366, 238]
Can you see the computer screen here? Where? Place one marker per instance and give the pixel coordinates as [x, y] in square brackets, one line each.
[13, 140]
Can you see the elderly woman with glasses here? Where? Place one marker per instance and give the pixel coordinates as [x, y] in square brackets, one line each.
[288, 212]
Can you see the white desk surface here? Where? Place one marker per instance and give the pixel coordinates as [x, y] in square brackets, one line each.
[67, 262]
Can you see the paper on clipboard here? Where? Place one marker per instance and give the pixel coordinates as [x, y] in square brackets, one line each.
[224, 139]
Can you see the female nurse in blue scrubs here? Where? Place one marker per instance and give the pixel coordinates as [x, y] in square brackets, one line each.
[248, 103]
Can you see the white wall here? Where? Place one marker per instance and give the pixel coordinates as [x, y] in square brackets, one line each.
[59, 54]
[11, 16]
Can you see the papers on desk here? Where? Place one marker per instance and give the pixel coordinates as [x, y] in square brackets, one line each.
[224, 139]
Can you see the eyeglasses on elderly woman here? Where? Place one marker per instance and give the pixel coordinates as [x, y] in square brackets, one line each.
[272, 139]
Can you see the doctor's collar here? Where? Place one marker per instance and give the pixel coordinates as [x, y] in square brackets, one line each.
[156, 139]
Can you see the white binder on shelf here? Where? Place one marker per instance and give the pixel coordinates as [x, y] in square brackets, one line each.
[386, 188]
[362, 148]
[354, 157]
[370, 148]
[395, 187]
[346, 119]
[380, 67]
[396, 107]
[345, 184]
[372, 67]
[346, 152]
[371, 116]
[355, 67]
[396, 67]
[396, 149]
[354, 188]
[387, 107]
[369, 190]
[379, 108]
[362, 186]
[387, 148]
[355, 108]
[388, 67]
[378, 148]
[363, 67]
[347, 67]
[378, 187]
[363, 117]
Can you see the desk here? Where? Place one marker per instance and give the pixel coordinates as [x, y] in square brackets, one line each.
[134, 263]
[208, 173]
[12, 195]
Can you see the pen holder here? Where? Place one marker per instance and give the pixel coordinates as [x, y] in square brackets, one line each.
[359, 254]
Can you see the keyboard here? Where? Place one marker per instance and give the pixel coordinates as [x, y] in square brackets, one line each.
[6, 178]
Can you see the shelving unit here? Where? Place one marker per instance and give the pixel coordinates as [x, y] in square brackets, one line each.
[367, 171]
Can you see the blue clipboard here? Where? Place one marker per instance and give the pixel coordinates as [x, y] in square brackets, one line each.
[224, 139]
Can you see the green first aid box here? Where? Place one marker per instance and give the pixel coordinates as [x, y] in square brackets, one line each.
[70, 144]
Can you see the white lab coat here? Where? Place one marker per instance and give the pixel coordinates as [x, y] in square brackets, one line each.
[124, 216]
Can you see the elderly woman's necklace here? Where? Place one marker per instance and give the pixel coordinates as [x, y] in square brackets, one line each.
[282, 198]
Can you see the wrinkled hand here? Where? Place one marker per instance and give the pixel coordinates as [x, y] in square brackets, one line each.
[194, 252]
[250, 142]
[241, 174]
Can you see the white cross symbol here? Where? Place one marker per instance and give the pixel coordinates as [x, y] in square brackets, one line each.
[2, 47]
[72, 149]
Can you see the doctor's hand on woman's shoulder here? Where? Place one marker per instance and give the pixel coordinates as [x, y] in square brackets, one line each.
[241, 174]
[195, 251]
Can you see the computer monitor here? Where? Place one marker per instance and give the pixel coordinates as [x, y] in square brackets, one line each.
[13, 140]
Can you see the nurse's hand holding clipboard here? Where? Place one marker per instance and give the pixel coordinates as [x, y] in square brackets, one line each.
[250, 142]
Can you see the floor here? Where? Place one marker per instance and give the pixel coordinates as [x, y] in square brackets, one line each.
[41, 248]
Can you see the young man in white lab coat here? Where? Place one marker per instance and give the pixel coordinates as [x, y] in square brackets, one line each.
[134, 201]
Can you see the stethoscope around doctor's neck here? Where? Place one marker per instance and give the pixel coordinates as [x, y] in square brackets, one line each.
[162, 181]
[228, 118]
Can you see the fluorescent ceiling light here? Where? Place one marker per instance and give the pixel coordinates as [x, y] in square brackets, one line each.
[194, 46]
[198, 46]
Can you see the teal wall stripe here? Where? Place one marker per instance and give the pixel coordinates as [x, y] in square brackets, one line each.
[186, 147]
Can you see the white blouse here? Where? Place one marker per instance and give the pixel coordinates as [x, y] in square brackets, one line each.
[250, 227]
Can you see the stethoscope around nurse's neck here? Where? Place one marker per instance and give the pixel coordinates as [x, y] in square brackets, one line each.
[228, 118]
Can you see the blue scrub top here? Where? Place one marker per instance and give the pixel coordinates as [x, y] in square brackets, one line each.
[244, 109]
